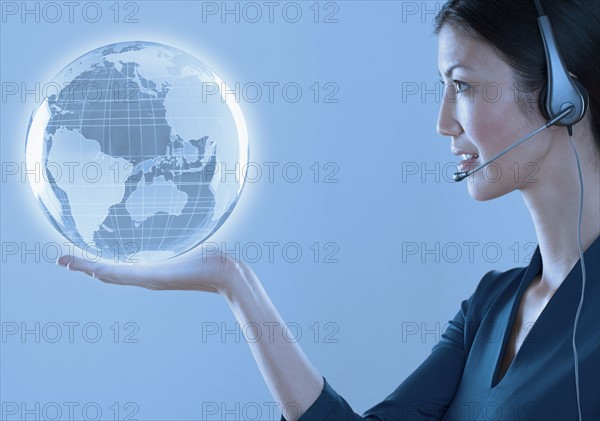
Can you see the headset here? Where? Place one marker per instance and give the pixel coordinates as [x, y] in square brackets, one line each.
[563, 102]
[563, 99]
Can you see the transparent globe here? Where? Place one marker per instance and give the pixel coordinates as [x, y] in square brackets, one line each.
[136, 152]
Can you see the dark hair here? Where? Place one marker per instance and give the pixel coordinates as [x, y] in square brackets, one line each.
[511, 27]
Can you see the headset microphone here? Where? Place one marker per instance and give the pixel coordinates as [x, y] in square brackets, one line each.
[458, 176]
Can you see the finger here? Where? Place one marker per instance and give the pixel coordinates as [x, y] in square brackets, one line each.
[146, 276]
[119, 274]
[76, 264]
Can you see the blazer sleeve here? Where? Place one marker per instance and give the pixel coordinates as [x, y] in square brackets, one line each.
[424, 395]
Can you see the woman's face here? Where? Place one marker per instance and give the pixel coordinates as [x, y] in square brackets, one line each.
[481, 113]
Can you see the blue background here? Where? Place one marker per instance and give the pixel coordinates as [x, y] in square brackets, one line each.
[364, 305]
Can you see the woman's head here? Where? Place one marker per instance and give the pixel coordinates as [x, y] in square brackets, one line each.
[499, 46]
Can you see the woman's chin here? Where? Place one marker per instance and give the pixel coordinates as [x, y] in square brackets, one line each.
[482, 190]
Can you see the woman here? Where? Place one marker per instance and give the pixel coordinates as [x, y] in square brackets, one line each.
[529, 374]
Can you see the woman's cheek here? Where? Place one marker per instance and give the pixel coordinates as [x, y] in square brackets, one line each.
[485, 125]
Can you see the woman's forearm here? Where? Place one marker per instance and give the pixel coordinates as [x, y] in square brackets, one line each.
[293, 381]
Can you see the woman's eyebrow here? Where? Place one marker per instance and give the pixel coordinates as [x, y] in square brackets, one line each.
[451, 69]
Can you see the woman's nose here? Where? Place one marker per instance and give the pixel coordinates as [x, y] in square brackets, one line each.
[447, 125]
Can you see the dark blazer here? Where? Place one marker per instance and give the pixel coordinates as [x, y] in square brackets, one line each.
[459, 379]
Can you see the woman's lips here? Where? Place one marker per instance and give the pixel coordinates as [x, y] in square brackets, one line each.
[467, 164]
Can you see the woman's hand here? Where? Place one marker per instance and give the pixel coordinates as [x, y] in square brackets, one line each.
[195, 271]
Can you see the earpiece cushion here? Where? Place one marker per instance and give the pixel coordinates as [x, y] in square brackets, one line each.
[584, 93]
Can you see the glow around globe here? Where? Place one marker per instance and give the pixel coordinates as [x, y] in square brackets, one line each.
[136, 153]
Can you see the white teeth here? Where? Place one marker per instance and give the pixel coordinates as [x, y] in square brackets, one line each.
[466, 156]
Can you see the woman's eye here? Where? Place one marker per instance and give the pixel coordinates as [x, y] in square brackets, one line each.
[460, 85]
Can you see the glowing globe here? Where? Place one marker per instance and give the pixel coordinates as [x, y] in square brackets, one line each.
[136, 152]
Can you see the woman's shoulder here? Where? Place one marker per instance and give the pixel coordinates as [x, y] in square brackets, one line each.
[492, 285]
[495, 281]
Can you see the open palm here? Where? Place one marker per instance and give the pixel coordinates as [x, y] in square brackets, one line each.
[194, 271]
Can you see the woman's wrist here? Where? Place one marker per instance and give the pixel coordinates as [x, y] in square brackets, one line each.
[236, 279]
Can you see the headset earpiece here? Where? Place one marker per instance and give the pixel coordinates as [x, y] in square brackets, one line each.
[562, 90]
[581, 105]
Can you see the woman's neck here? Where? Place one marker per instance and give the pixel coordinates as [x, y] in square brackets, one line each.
[554, 208]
